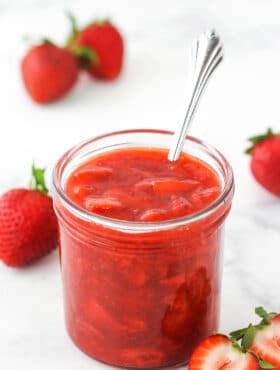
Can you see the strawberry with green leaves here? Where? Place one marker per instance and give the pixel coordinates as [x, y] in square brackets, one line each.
[28, 224]
[104, 45]
[265, 160]
[263, 339]
[254, 347]
[219, 352]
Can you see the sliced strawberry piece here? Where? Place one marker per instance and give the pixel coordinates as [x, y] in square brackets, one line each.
[142, 174]
[209, 193]
[141, 357]
[123, 195]
[195, 198]
[171, 186]
[189, 307]
[145, 184]
[90, 173]
[153, 215]
[102, 318]
[180, 205]
[93, 204]
[217, 352]
[83, 190]
[178, 319]
[136, 325]
[140, 277]
[167, 185]
[266, 343]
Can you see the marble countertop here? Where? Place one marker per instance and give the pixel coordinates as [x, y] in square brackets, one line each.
[242, 99]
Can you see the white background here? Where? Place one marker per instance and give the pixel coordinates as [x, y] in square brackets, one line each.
[241, 100]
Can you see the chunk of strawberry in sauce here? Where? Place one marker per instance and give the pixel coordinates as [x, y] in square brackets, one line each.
[102, 203]
[83, 190]
[180, 205]
[123, 196]
[141, 357]
[167, 185]
[102, 318]
[189, 306]
[92, 172]
[209, 194]
[171, 186]
[153, 215]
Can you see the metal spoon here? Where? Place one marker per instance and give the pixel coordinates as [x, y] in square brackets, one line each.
[206, 54]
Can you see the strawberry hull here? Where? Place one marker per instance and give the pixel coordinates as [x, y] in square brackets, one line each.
[142, 298]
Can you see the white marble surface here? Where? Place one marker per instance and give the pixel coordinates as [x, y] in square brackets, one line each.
[243, 99]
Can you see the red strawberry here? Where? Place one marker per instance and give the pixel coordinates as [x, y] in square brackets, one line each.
[49, 72]
[266, 342]
[265, 162]
[105, 47]
[218, 352]
[28, 225]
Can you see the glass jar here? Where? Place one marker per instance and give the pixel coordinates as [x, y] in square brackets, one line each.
[140, 295]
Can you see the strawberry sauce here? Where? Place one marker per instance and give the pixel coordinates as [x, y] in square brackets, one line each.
[142, 185]
[141, 300]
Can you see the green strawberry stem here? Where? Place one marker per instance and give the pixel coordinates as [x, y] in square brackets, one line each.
[74, 29]
[246, 335]
[100, 22]
[37, 181]
[46, 40]
[264, 364]
[266, 316]
[32, 41]
[86, 56]
[254, 140]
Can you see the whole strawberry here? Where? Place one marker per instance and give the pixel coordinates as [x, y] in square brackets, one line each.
[28, 225]
[105, 45]
[49, 72]
[265, 161]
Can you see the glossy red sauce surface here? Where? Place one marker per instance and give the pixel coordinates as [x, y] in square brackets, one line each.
[142, 185]
[141, 300]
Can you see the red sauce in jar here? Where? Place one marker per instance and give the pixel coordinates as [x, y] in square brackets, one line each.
[141, 300]
[142, 185]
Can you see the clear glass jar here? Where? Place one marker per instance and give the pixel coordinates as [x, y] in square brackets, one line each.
[140, 295]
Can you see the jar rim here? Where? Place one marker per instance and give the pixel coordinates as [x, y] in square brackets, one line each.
[137, 226]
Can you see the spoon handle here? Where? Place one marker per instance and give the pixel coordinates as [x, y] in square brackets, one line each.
[206, 54]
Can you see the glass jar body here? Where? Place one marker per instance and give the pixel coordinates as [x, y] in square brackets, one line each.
[140, 297]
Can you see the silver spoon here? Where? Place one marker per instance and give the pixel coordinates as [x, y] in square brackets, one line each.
[206, 54]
